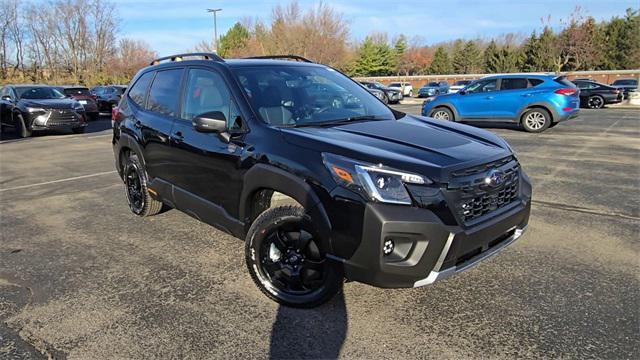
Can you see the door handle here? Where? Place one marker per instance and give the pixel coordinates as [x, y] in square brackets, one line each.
[177, 137]
[137, 124]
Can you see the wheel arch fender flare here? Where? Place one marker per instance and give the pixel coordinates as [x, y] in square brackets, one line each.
[543, 105]
[128, 141]
[263, 176]
[448, 105]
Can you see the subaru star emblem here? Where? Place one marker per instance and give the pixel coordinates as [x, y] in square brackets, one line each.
[494, 178]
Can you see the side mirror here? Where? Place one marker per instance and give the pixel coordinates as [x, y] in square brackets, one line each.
[7, 98]
[210, 122]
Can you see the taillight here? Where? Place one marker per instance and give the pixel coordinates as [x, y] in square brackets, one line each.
[566, 91]
[114, 113]
[615, 91]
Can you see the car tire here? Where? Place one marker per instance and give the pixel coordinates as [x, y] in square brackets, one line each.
[135, 185]
[535, 120]
[595, 102]
[284, 257]
[385, 99]
[410, 93]
[442, 113]
[21, 127]
[79, 130]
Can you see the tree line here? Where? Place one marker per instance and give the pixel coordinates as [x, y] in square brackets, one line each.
[66, 42]
[322, 34]
[76, 41]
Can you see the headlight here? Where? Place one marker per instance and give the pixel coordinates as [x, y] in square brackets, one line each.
[377, 182]
[35, 110]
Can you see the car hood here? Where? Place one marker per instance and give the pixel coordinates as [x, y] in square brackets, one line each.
[49, 103]
[422, 145]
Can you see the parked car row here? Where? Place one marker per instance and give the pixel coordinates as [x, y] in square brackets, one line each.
[34, 107]
[435, 88]
[391, 96]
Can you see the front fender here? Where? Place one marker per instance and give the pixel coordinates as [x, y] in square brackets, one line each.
[263, 176]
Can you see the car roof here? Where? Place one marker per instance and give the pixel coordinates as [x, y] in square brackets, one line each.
[22, 86]
[527, 75]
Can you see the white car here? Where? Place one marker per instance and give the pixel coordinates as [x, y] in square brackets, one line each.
[405, 88]
[459, 85]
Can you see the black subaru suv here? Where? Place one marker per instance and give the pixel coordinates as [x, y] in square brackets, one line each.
[319, 191]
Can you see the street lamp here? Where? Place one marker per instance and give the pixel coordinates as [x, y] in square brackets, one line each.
[215, 28]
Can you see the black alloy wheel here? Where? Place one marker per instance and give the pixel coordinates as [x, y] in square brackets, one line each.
[135, 184]
[285, 259]
[595, 102]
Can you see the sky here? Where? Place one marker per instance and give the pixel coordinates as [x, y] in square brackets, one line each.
[173, 26]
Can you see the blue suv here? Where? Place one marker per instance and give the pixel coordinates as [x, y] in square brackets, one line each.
[535, 101]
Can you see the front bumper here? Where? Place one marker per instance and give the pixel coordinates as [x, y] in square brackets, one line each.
[395, 96]
[57, 118]
[426, 249]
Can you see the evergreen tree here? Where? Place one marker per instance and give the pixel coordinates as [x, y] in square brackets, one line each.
[374, 58]
[467, 59]
[491, 57]
[547, 50]
[441, 65]
[400, 45]
[531, 53]
[622, 42]
[234, 40]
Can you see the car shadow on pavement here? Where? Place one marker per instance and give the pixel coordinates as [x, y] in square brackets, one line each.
[495, 125]
[317, 333]
[102, 124]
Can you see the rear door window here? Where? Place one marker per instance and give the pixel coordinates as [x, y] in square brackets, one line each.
[514, 84]
[139, 90]
[163, 95]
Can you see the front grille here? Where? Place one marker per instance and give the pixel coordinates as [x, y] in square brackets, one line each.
[62, 117]
[480, 205]
[474, 198]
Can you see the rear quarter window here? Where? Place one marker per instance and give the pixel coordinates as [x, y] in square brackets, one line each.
[564, 82]
[163, 94]
[535, 82]
[139, 90]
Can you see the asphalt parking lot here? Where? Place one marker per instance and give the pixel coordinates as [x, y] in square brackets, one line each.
[81, 277]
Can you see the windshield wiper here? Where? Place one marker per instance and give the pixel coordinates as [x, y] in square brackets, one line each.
[339, 121]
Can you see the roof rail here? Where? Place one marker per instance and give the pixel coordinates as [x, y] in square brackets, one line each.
[291, 57]
[180, 57]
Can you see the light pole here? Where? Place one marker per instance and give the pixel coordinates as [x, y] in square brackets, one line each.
[215, 28]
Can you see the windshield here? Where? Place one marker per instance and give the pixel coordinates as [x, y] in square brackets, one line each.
[304, 95]
[433, 84]
[39, 93]
[77, 92]
[463, 82]
[625, 82]
[395, 85]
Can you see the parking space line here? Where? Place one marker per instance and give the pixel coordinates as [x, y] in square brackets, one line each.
[58, 181]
